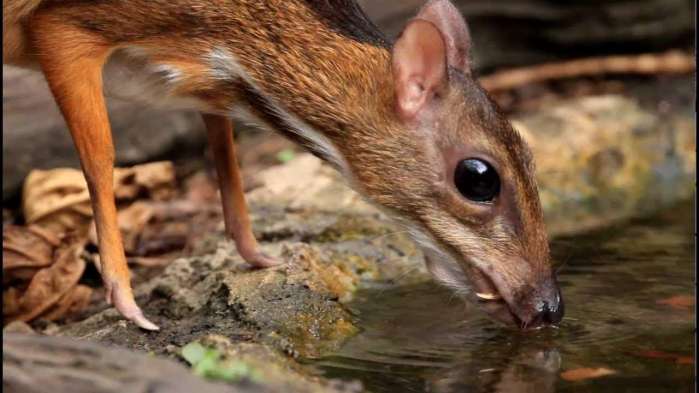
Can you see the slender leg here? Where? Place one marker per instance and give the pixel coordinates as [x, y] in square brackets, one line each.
[235, 211]
[72, 63]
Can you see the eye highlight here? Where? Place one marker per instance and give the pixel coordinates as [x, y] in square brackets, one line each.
[476, 180]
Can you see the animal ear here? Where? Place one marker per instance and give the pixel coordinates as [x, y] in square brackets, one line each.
[419, 67]
[448, 19]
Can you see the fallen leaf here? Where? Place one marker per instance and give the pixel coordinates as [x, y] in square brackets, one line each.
[655, 354]
[581, 374]
[681, 302]
[156, 179]
[131, 220]
[51, 283]
[41, 267]
[150, 228]
[11, 301]
[58, 199]
[18, 275]
[674, 357]
[71, 303]
[209, 363]
[48, 191]
[27, 247]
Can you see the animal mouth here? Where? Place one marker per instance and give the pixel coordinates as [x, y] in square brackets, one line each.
[492, 300]
[528, 310]
[529, 306]
[488, 296]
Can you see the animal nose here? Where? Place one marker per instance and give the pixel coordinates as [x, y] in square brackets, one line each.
[550, 312]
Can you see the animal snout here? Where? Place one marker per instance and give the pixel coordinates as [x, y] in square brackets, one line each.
[550, 311]
[530, 306]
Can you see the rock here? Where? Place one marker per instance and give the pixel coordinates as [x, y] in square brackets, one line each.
[35, 136]
[604, 158]
[18, 327]
[265, 318]
[275, 369]
[294, 309]
[42, 364]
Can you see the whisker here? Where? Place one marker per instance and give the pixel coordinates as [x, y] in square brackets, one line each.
[397, 280]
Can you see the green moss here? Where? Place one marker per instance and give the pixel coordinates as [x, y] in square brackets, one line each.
[349, 227]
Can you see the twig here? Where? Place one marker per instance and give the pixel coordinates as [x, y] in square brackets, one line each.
[672, 62]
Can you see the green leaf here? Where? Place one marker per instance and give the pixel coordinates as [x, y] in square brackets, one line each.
[286, 155]
[193, 353]
[207, 363]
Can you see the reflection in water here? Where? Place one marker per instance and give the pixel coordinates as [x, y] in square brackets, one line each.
[419, 338]
[529, 368]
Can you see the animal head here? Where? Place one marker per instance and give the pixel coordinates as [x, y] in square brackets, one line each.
[451, 168]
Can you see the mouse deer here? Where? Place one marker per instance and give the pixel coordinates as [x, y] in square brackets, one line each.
[405, 122]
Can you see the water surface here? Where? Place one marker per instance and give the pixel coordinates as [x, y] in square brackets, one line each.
[625, 287]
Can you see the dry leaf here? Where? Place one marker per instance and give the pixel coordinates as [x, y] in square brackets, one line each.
[51, 283]
[59, 201]
[149, 228]
[48, 191]
[581, 374]
[10, 301]
[44, 270]
[132, 220]
[71, 303]
[157, 179]
[674, 357]
[20, 274]
[27, 247]
[56, 200]
[681, 302]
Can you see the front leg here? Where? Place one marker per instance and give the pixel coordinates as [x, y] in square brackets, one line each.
[235, 211]
[72, 62]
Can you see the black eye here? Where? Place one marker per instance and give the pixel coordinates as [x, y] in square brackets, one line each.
[476, 180]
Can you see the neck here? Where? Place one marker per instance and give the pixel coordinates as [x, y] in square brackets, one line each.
[319, 75]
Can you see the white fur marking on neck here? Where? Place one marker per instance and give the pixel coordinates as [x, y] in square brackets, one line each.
[224, 66]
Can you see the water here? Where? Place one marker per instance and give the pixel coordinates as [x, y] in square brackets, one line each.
[420, 339]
